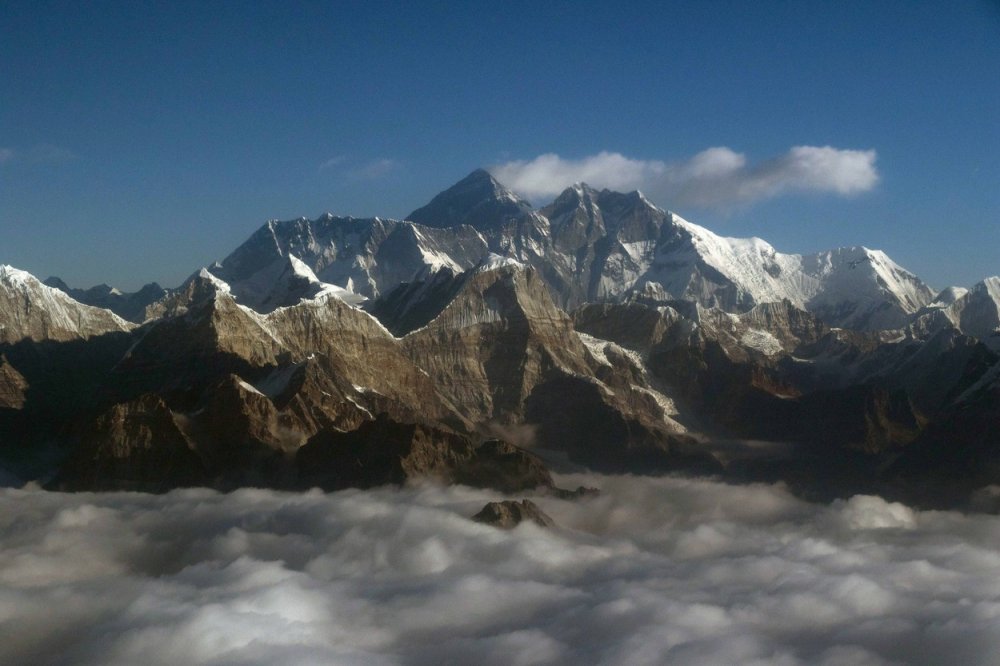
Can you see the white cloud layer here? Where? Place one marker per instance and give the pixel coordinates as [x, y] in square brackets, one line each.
[714, 178]
[653, 571]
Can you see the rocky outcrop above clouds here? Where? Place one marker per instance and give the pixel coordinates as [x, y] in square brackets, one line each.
[508, 514]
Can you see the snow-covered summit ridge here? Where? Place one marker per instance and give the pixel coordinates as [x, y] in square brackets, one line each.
[30, 309]
[588, 245]
[367, 257]
[497, 262]
[285, 281]
[853, 287]
[947, 296]
[220, 285]
[478, 200]
[974, 311]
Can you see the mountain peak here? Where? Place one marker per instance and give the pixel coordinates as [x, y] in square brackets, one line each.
[576, 193]
[478, 200]
[480, 174]
[32, 310]
[56, 283]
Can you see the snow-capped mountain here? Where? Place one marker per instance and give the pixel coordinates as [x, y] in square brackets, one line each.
[363, 256]
[589, 246]
[286, 283]
[31, 310]
[477, 200]
[635, 247]
[863, 289]
[126, 305]
[974, 311]
[344, 351]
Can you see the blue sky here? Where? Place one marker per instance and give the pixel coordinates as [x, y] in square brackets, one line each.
[141, 140]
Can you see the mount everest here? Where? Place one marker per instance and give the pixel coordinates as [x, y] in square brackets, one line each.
[599, 328]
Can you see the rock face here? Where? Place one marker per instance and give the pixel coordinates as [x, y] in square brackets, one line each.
[139, 445]
[343, 352]
[363, 256]
[872, 412]
[129, 306]
[12, 386]
[386, 452]
[320, 393]
[974, 311]
[587, 246]
[509, 514]
[477, 200]
[288, 283]
[508, 355]
[33, 311]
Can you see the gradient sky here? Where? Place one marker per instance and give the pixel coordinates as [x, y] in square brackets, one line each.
[142, 140]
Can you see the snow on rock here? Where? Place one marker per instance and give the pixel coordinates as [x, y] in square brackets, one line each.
[285, 283]
[947, 297]
[495, 261]
[762, 341]
[853, 287]
[863, 289]
[30, 309]
[596, 346]
[367, 257]
[588, 245]
[974, 311]
[599, 349]
[220, 285]
[249, 387]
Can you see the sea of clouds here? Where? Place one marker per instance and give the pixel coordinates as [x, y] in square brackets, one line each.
[653, 571]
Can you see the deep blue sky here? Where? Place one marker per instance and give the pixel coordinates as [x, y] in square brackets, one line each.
[141, 140]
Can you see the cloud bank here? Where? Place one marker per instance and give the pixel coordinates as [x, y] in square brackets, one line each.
[653, 571]
[714, 178]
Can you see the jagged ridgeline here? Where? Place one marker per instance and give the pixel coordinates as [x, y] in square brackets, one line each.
[482, 337]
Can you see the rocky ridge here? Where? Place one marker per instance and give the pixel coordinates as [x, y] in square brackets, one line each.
[509, 514]
[33, 311]
[342, 352]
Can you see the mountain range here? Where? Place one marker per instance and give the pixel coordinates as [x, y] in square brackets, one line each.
[483, 339]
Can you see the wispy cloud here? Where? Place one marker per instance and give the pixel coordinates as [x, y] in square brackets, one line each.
[714, 178]
[334, 161]
[47, 153]
[375, 169]
[372, 169]
[40, 153]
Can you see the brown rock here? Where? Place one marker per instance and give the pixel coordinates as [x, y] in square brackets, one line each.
[385, 451]
[30, 310]
[12, 386]
[581, 492]
[508, 514]
[496, 340]
[139, 445]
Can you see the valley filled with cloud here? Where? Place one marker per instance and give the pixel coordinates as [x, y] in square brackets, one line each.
[654, 570]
